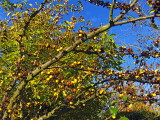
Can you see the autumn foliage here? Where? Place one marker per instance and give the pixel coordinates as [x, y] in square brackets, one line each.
[56, 66]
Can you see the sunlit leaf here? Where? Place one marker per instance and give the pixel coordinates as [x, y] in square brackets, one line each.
[152, 11]
[113, 110]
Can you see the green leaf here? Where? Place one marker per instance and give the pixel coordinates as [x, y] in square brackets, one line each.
[64, 93]
[124, 97]
[123, 118]
[113, 110]
[112, 34]
[38, 97]
[109, 37]
[130, 18]
[59, 102]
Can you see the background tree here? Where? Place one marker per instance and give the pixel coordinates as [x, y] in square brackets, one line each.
[52, 66]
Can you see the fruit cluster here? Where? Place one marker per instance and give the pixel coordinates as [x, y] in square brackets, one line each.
[121, 6]
[157, 2]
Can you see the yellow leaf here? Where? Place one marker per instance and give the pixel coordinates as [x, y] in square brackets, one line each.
[154, 94]
[152, 11]
[71, 103]
[12, 27]
[101, 91]
[8, 13]
[113, 116]
[64, 93]
[9, 111]
[130, 106]
[30, 5]
[1, 71]
[59, 49]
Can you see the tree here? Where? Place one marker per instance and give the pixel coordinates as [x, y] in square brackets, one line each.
[140, 111]
[49, 68]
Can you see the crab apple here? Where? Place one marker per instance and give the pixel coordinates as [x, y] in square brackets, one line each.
[74, 90]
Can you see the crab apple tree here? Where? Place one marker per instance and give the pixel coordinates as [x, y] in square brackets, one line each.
[56, 65]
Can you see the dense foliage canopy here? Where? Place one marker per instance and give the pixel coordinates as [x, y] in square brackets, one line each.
[54, 65]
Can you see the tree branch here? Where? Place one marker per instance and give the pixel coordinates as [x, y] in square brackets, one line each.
[125, 11]
[48, 115]
[136, 19]
[32, 16]
[37, 71]
[51, 113]
[20, 87]
[111, 12]
[106, 27]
